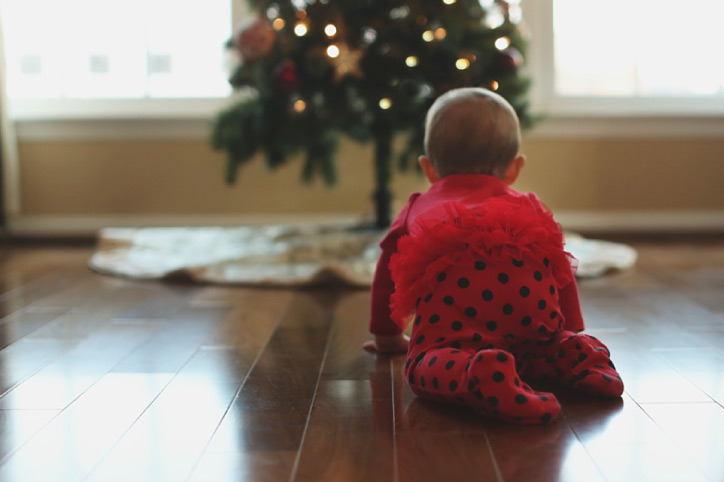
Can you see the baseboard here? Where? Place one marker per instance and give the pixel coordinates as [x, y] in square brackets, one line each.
[580, 221]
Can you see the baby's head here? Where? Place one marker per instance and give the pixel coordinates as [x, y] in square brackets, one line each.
[471, 131]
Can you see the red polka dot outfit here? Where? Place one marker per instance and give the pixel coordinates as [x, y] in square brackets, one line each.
[489, 288]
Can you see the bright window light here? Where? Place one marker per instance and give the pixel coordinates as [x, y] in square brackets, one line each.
[638, 48]
[109, 49]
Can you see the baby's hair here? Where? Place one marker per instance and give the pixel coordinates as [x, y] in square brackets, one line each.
[471, 131]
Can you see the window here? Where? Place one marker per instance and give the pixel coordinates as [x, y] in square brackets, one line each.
[627, 56]
[106, 49]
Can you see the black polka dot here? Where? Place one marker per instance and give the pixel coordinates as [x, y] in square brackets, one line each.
[471, 385]
[487, 295]
[440, 340]
[420, 339]
[428, 298]
[518, 263]
[418, 319]
[422, 381]
[441, 276]
[542, 305]
[526, 321]
[434, 382]
[419, 357]
[407, 363]
[411, 379]
[477, 337]
[479, 358]
[507, 309]
[453, 386]
[471, 312]
[606, 377]
[520, 398]
[543, 397]
[463, 282]
[542, 328]
[546, 261]
[479, 265]
[434, 318]
[450, 364]
[455, 344]
[553, 314]
[492, 401]
[545, 418]
[448, 300]
[432, 361]
[552, 289]
[502, 357]
[457, 325]
[516, 381]
[491, 326]
[498, 377]
[538, 276]
[582, 357]
[524, 291]
[478, 394]
[503, 278]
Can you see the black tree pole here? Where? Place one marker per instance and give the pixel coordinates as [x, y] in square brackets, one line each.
[383, 172]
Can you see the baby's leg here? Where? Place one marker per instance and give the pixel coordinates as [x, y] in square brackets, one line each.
[578, 360]
[485, 380]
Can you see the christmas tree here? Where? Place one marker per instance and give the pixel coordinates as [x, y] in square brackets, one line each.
[312, 70]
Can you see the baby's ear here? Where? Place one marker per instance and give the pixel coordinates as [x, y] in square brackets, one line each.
[428, 169]
[513, 170]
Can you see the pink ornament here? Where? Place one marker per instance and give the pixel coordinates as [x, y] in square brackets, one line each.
[254, 39]
[287, 77]
[510, 59]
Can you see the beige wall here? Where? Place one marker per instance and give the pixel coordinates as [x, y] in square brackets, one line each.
[185, 177]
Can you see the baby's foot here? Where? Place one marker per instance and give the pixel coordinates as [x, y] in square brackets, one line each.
[600, 380]
[501, 393]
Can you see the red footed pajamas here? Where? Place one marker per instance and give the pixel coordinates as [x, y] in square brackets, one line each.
[489, 288]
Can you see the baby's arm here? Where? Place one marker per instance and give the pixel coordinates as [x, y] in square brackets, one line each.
[388, 335]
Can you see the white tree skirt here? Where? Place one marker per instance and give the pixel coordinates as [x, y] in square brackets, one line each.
[282, 255]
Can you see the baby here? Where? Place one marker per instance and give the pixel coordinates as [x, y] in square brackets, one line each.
[482, 270]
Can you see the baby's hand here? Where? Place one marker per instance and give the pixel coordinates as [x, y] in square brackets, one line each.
[390, 345]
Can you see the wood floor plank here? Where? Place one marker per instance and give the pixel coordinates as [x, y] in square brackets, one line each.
[19, 426]
[74, 442]
[271, 411]
[173, 343]
[166, 440]
[58, 384]
[697, 430]
[350, 435]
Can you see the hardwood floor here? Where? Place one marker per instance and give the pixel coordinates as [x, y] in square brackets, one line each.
[106, 379]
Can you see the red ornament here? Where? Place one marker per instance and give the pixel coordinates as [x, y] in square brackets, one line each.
[254, 39]
[510, 59]
[287, 76]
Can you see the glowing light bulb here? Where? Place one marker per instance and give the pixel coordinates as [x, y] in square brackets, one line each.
[411, 61]
[278, 23]
[385, 103]
[300, 30]
[462, 64]
[440, 33]
[428, 36]
[300, 105]
[449, 2]
[330, 30]
[333, 51]
[502, 43]
[494, 85]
